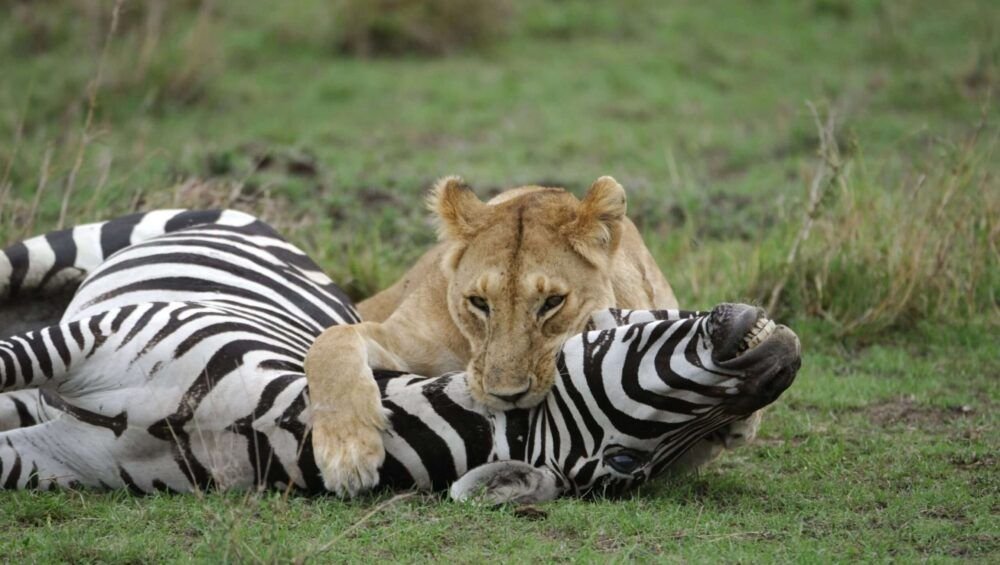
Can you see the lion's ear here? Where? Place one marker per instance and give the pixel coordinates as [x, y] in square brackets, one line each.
[597, 230]
[458, 210]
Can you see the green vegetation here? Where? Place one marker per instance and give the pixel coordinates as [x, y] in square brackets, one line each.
[884, 448]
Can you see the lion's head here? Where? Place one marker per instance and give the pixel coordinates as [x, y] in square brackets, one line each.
[524, 272]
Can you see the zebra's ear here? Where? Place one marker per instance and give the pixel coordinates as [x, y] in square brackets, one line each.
[507, 481]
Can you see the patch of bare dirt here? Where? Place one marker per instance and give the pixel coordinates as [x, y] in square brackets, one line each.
[908, 412]
[970, 546]
[373, 196]
[974, 462]
[529, 512]
[609, 544]
[225, 193]
[293, 162]
[794, 441]
[722, 165]
[945, 513]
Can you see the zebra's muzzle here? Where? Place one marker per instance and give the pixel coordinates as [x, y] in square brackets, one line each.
[766, 355]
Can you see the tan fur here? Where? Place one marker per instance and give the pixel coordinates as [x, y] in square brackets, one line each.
[524, 246]
[587, 250]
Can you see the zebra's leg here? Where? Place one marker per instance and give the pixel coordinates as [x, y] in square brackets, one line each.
[347, 413]
[47, 358]
[57, 262]
[38, 457]
[22, 409]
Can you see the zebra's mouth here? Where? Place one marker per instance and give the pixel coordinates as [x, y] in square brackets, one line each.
[765, 354]
[736, 329]
[762, 329]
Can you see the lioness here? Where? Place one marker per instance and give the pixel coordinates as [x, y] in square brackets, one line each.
[509, 282]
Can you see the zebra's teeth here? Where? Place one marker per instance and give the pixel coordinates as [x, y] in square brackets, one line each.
[760, 331]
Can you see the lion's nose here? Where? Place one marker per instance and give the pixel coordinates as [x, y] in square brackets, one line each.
[513, 392]
[513, 397]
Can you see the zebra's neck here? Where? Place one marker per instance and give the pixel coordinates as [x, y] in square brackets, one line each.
[438, 432]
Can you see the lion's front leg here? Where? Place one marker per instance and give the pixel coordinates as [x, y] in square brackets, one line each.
[347, 413]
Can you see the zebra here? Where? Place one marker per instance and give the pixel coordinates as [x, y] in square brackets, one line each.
[177, 366]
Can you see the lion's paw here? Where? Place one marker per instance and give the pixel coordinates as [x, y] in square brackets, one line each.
[349, 452]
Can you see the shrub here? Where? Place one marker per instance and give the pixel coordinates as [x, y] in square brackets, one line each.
[429, 27]
[887, 250]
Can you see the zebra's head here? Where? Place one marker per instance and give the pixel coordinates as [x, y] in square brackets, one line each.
[635, 394]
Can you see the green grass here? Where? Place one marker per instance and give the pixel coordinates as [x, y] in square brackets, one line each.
[885, 447]
[889, 453]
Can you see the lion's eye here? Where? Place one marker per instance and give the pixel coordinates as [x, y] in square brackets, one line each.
[550, 303]
[480, 303]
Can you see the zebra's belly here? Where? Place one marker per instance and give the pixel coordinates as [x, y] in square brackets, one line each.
[185, 396]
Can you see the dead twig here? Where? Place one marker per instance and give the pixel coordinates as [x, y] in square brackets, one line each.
[18, 138]
[353, 527]
[827, 174]
[43, 179]
[717, 537]
[105, 161]
[85, 135]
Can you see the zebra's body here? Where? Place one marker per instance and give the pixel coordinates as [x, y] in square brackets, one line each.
[241, 290]
[178, 366]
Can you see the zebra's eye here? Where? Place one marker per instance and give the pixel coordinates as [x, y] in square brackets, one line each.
[551, 303]
[480, 304]
[625, 462]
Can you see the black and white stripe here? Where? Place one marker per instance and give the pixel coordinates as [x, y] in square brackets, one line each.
[177, 366]
[47, 264]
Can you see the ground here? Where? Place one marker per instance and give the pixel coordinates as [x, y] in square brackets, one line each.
[885, 447]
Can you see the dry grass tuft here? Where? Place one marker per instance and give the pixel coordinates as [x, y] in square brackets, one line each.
[205, 194]
[884, 257]
[166, 52]
[170, 61]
